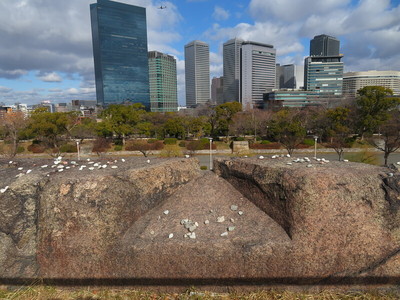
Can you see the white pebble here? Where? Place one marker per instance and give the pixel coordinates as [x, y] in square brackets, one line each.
[122, 159]
[10, 162]
[95, 165]
[187, 156]
[60, 167]
[171, 235]
[44, 166]
[309, 166]
[231, 228]
[104, 166]
[192, 235]
[224, 233]
[234, 207]
[232, 220]
[91, 168]
[206, 222]
[3, 190]
[148, 161]
[21, 168]
[166, 212]
[152, 232]
[88, 159]
[398, 162]
[273, 156]
[114, 167]
[220, 219]
[345, 160]
[289, 163]
[287, 155]
[60, 170]
[27, 172]
[261, 157]
[240, 213]
[68, 167]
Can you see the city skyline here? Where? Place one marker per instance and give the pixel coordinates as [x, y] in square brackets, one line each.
[46, 51]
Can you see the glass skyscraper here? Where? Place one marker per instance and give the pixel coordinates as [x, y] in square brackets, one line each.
[163, 83]
[119, 36]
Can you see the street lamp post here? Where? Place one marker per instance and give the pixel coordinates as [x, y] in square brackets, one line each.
[315, 146]
[77, 148]
[211, 153]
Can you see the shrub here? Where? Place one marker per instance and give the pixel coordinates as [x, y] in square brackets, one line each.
[240, 139]
[309, 142]
[170, 141]
[151, 141]
[203, 168]
[182, 144]
[143, 146]
[118, 142]
[100, 145]
[202, 144]
[265, 146]
[265, 142]
[118, 148]
[36, 148]
[68, 148]
[20, 149]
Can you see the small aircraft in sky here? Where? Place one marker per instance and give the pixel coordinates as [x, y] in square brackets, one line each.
[162, 7]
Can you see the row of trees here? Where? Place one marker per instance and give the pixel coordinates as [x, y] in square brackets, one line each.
[373, 112]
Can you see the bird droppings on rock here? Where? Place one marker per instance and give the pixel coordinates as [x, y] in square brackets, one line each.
[221, 219]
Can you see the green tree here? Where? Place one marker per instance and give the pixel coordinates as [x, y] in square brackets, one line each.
[373, 106]
[288, 129]
[12, 126]
[224, 116]
[120, 120]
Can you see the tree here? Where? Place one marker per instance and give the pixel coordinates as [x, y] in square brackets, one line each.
[388, 140]
[288, 129]
[144, 147]
[224, 114]
[85, 129]
[338, 129]
[373, 106]
[120, 120]
[12, 125]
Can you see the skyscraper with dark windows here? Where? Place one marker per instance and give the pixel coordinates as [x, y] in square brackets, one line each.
[324, 45]
[323, 69]
[119, 36]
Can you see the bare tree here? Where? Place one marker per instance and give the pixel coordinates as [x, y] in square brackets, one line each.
[12, 125]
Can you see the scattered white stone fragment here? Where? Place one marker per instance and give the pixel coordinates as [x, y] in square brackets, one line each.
[60, 167]
[44, 166]
[390, 174]
[398, 163]
[19, 175]
[309, 166]
[95, 165]
[192, 228]
[245, 156]
[27, 172]
[240, 213]
[152, 232]
[192, 235]
[91, 162]
[88, 159]
[73, 163]
[224, 233]
[197, 224]
[91, 168]
[187, 156]
[53, 166]
[261, 157]
[345, 160]
[184, 221]
[220, 219]
[122, 159]
[104, 166]
[287, 155]
[20, 168]
[206, 222]
[68, 167]
[3, 190]
[148, 161]
[114, 167]
[289, 163]
[166, 212]
[60, 170]
[10, 162]
[171, 235]
[231, 228]
[234, 207]
[318, 159]
[232, 220]
[59, 158]
[273, 156]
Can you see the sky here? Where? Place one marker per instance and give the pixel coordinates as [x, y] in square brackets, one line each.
[46, 45]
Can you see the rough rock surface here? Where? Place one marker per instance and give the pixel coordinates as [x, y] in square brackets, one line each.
[343, 218]
[251, 221]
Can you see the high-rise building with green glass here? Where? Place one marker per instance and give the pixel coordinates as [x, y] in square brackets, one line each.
[119, 36]
[163, 82]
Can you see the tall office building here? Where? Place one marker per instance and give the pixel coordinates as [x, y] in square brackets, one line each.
[258, 73]
[217, 90]
[289, 77]
[197, 73]
[231, 65]
[324, 45]
[163, 83]
[323, 69]
[119, 36]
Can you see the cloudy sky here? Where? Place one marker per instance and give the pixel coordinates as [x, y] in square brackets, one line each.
[46, 47]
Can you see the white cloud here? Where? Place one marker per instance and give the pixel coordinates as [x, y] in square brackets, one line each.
[5, 90]
[50, 77]
[220, 14]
